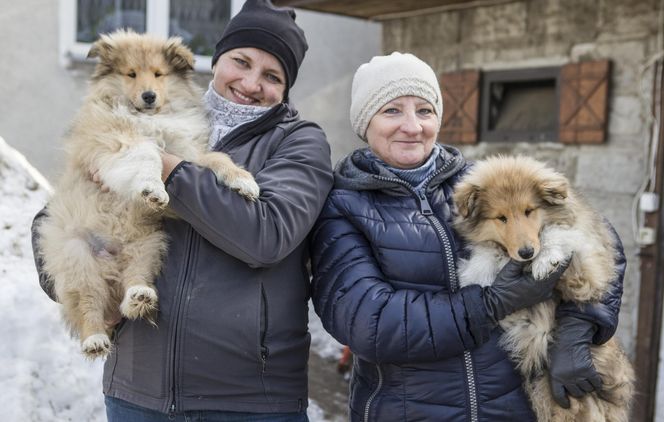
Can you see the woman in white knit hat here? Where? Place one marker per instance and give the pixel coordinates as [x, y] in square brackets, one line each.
[383, 258]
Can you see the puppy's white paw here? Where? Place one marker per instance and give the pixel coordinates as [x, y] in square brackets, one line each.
[96, 346]
[154, 195]
[546, 262]
[245, 186]
[139, 302]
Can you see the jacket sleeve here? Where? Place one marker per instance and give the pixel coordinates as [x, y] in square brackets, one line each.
[45, 280]
[604, 313]
[379, 323]
[294, 183]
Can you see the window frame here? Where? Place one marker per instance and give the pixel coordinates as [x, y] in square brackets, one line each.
[156, 22]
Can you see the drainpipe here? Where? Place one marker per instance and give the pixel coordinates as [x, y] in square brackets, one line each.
[651, 296]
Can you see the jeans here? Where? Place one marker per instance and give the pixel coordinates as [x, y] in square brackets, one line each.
[121, 411]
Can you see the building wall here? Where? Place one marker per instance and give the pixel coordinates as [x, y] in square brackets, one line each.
[38, 97]
[537, 33]
[337, 47]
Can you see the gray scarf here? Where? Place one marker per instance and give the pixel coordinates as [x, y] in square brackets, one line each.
[358, 171]
[226, 115]
[416, 176]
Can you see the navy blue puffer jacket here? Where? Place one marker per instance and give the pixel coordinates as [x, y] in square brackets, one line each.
[385, 284]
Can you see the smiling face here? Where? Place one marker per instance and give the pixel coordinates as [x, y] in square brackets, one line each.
[250, 76]
[402, 133]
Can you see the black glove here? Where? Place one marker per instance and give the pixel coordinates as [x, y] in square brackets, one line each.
[513, 289]
[571, 369]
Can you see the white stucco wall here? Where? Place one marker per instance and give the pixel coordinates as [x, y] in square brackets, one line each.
[337, 46]
[37, 96]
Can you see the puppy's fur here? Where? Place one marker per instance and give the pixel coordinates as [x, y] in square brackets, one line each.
[516, 207]
[103, 249]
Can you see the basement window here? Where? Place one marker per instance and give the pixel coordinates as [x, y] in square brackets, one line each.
[520, 105]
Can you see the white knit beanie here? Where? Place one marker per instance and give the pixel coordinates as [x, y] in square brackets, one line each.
[385, 78]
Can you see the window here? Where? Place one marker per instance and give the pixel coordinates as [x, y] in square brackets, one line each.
[567, 104]
[198, 22]
[520, 105]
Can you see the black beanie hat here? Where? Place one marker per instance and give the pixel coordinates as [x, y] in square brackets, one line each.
[261, 25]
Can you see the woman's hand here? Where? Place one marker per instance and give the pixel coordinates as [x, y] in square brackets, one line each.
[94, 176]
[571, 367]
[112, 319]
[169, 162]
[514, 289]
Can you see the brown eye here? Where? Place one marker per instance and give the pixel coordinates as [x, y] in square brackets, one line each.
[157, 74]
[528, 211]
[502, 219]
[131, 74]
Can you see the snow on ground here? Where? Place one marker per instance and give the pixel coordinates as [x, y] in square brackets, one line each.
[43, 376]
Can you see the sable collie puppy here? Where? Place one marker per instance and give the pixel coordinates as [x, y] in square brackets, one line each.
[103, 249]
[516, 207]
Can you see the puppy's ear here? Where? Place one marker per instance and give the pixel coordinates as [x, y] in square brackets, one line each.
[465, 197]
[101, 48]
[178, 56]
[104, 48]
[554, 189]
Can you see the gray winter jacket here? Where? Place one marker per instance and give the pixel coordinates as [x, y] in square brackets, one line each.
[232, 325]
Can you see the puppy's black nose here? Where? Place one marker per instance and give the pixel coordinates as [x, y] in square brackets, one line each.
[526, 252]
[149, 97]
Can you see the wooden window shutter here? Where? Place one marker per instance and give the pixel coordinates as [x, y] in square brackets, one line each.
[584, 95]
[460, 107]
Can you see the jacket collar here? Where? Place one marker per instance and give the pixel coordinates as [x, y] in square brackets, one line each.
[358, 171]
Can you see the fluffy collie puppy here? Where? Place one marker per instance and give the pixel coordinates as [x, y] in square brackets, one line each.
[516, 207]
[103, 249]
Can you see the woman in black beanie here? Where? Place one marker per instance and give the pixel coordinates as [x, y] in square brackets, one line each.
[232, 341]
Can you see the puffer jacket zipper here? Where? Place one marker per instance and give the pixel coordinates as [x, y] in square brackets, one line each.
[454, 286]
[426, 210]
[373, 394]
[176, 318]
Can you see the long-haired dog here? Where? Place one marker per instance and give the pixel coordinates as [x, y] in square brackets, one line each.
[103, 249]
[516, 207]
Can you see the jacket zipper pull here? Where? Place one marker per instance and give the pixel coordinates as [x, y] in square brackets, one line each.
[264, 354]
[171, 413]
[425, 208]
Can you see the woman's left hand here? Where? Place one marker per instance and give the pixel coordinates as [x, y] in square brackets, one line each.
[169, 162]
[571, 365]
